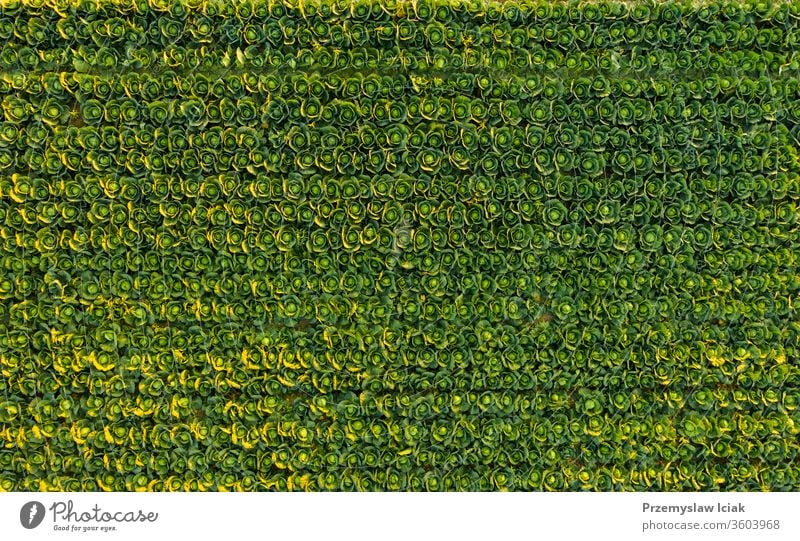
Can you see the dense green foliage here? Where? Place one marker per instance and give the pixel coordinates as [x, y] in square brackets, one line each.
[393, 245]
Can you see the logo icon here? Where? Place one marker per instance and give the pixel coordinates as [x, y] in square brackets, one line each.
[31, 514]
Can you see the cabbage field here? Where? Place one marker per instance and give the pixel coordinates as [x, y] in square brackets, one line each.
[396, 245]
